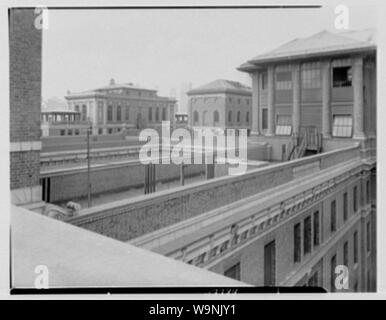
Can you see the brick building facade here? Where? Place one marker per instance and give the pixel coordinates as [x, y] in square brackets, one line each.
[25, 44]
[220, 104]
[116, 108]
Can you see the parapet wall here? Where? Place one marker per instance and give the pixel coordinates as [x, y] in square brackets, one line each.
[72, 185]
[128, 219]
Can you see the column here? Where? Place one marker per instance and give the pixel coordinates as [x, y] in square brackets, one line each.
[271, 100]
[255, 103]
[357, 76]
[326, 99]
[296, 98]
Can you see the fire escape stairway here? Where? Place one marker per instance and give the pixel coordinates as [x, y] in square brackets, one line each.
[308, 142]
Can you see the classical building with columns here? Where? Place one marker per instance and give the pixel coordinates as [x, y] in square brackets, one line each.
[220, 104]
[122, 107]
[326, 82]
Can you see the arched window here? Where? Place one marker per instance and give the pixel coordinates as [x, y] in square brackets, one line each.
[216, 116]
[163, 113]
[150, 114]
[195, 117]
[156, 114]
[84, 112]
[127, 113]
[119, 113]
[77, 108]
[110, 113]
[238, 116]
[230, 116]
[247, 117]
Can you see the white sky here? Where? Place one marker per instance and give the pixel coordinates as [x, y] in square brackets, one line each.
[84, 49]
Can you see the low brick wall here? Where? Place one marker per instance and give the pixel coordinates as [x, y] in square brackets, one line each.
[127, 219]
[72, 185]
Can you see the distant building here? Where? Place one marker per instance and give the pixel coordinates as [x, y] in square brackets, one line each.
[117, 107]
[181, 119]
[220, 104]
[326, 82]
[62, 123]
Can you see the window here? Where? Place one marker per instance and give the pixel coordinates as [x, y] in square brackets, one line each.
[77, 132]
[297, 243]
[110, 131]
[368, 191]
[238, 116]
[332, 272]
[333, 216]
[342, 126]
[270, 264]
[84, 112]
[230, 116]
[69, 132]
[156, 114]
[368, 237]
[150, 114]
[355, 247]
[345, 254]
[195, 117]
[283, 77]
[307, 235]
[163, 113]
[233, 272]
[100, 131]
[119, 113]
[62, 132]
[77, 108]
[310, 75]
[355, 199]
[264, 81]
[264, 118]
[247, 101]
[127, 114]
[345, 206]
[216, 116]
[283, 125]
[247, 117]
[341, 77]
[316, 228]
[110, 113]
[100, 113]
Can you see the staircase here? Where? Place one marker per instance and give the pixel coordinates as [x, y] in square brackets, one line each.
[307, 142]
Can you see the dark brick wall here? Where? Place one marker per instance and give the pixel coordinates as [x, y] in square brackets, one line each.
[25, 44]
[74, 186]
[24, 168]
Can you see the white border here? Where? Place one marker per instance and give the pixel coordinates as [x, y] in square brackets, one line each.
[4, 158]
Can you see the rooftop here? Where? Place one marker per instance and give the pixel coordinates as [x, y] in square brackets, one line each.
[79, 258]
[322, 43]
[221, 86]
[114, 86]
